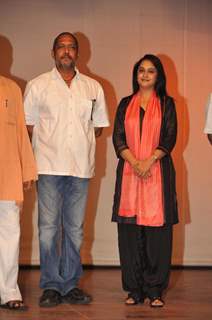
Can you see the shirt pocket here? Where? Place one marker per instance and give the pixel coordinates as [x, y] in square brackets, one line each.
[9, 112]
[84, 109]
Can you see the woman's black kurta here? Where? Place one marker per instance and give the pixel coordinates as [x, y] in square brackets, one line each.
[166, 143]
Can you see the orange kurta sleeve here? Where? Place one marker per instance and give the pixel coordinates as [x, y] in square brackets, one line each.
[17, 163]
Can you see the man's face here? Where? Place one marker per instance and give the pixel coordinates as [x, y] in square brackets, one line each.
[65, 53]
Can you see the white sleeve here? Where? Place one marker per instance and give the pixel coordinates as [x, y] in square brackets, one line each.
[99, 112]
[31, 104]
[208, 120]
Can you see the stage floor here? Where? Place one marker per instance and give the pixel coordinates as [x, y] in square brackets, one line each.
[189, 297]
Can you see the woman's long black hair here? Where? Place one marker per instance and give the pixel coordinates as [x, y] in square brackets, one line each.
[160, 85]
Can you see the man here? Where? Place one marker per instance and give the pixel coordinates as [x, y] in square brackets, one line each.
[208, 123]
[65, 110]
[17, 168]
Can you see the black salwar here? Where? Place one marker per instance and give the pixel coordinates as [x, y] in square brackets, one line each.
[145, 257]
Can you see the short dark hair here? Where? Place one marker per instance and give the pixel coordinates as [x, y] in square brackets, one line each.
[64, 34]
[160, 85]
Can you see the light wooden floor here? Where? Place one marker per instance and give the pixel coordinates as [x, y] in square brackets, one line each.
[189, 297]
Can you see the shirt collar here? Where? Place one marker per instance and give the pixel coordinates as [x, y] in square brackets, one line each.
[56, 74]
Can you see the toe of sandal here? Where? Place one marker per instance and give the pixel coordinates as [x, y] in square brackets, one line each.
[133, 299]
[156, 302]
[14, 305]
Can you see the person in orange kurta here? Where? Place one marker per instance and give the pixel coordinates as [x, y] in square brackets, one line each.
[17, 172]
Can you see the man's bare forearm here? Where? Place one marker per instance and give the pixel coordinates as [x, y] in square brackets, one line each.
[30, 131]
[98, 132]
[210, 138]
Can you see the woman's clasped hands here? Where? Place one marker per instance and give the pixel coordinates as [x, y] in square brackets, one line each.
[142, 168]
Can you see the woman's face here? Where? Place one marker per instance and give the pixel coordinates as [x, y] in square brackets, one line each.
[147, 75]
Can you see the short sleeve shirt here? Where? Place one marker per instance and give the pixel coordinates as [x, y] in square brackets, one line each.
[64, 119]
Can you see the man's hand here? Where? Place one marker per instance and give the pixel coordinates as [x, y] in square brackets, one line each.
[210, 138]
[98, 132]
[19, 204]
[30, 131]
[27, 185]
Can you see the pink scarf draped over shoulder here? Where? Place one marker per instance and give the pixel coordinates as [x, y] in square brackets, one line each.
[142, 198]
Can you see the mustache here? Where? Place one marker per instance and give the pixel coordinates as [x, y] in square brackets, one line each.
[66, 55]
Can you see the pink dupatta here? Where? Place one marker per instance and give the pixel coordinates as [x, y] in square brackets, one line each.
[142, 198]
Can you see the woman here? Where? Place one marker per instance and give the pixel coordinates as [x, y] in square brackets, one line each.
[145, 205]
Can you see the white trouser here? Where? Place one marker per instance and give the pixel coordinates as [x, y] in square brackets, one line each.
[9, 251]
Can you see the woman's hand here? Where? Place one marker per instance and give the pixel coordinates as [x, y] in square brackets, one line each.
[142, 167]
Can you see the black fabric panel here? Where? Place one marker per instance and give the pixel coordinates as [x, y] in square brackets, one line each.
[145, 257]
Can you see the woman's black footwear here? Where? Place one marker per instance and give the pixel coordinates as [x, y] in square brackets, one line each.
[133, 298]
[156, 302]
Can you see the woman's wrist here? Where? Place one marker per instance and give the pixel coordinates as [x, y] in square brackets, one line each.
[153, 158]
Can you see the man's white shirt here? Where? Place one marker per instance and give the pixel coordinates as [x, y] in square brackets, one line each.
[64, 119]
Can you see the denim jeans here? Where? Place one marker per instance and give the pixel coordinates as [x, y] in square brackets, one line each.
[61, 208]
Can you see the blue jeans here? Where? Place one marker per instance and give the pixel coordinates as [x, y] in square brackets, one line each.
[61, 208]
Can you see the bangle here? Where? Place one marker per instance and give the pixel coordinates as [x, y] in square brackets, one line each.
[155, 158]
